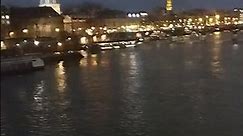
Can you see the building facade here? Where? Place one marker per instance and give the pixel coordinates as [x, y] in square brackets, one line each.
[36, 22]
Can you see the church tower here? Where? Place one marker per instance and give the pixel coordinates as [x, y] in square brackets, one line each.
[55, 4]
[169, 6]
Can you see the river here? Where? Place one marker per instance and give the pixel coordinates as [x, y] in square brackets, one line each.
[189, 86]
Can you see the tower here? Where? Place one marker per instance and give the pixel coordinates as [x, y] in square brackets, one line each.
[55, 4]
[169, 6]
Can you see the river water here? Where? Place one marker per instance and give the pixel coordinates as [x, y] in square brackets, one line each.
[189, 86]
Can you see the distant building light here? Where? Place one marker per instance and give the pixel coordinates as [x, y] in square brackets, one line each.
[83, 40]
[25, 30]
[79, 29]
[57, 29]
[210, 19]
[36, 43]
[133, 15]
[217, 16]
[3, 46]
[144, 14]
[11, 34]
[129, 15]
[3, 17]
[103, 37]
[17, 44]
[93, 28]
[59, 44]
[7, 17]
[137, 15]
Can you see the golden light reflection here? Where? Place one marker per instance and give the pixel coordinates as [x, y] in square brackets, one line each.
[84, 62]
[60, 77]
[216, 66]
[38, 96]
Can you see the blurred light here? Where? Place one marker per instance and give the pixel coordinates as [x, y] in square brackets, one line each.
[25, 30]
[200, 19]
[36, 43]
[95, 39]
[3, 46]
[133, 15]
[129, 15]
[17, 44]
[83, 40]
[217, 16]
[103, 37]
[7, 17]
[59, 44]
[57, 29]
[144, 14]
[11, 34]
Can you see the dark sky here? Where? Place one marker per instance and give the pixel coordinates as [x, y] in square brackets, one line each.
[134, 5]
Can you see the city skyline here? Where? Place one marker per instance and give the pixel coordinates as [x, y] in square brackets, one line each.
[133, 5]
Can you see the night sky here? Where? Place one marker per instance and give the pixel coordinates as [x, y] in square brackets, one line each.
[134, 5]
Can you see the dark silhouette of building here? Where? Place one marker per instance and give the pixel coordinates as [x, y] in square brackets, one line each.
[36, 22]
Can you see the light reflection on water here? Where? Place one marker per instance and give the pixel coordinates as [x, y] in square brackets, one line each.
[60, 77]
[187, 87]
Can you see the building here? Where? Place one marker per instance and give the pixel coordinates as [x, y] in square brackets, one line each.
[55, 4]
[5, 22]
[169, 6]
[35, 22]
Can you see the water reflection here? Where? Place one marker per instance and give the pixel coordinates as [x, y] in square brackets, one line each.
[60, 77]
[133, 99]
[150, 90]
[216, 64]
[38, 96]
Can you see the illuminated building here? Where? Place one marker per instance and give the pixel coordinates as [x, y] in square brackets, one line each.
[241, 16]
[169, 6]
[55, 4]
[35, 22]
